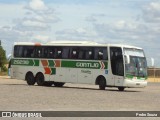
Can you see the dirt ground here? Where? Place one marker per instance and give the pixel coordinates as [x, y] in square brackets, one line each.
[153, 79]
[16, 95]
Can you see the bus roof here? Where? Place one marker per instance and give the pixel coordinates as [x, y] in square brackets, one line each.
[75, 43]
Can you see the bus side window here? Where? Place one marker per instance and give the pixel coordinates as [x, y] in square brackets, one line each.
[81, 54]
[50, 53]
[74, 53]
[38, 52]
[45, 52]
[101, 53]
[28, 51]
[89, 54]
[59, 53]
[18, 51]
[65, 53]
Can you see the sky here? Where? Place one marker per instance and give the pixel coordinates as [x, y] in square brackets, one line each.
[132, 22]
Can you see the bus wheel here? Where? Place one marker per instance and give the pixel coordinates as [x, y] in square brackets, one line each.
[58, 84]
[30, 79]
[121, 88]
[102, 84]
[40, 79]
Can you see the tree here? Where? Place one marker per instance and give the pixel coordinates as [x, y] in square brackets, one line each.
[3, 59]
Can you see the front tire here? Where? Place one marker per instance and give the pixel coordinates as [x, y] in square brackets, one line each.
[40, 79]
[30, 79]
[102, 84]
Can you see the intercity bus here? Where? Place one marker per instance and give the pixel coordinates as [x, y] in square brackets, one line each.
[82, 62]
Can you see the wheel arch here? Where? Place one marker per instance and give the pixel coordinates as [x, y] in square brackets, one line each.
[99, 78]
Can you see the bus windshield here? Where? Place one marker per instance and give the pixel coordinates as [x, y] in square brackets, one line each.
[137, 65]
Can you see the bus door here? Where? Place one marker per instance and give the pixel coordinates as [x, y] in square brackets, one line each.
[117, 65]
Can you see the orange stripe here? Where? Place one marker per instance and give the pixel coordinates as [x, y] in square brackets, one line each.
[47, 70]
[58, 63]
[44, 62]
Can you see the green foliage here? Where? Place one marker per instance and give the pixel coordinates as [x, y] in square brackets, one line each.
[4, 68]
[3, 59]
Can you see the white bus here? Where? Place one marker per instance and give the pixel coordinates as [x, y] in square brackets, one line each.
[106, 65]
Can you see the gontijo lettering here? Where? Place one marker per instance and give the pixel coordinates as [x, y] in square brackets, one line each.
[21, 62]
[87, 65]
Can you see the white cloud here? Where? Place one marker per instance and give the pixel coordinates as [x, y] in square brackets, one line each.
[76, 34]
[151, 12]
[8, 36]
[91, 19]
[41, 38]
[37, 5]
[33, 23]
[38, 17]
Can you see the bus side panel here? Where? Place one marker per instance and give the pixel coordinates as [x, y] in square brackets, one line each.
[59, 75]
[99, 72]
[19, 72]
[85, 76]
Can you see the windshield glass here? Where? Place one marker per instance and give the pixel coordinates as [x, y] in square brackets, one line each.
[137, 65]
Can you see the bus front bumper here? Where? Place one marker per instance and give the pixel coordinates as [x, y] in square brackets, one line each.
[135, 83]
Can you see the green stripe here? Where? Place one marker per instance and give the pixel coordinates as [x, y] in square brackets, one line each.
[51, 63]
[53, 71]
[36, 62]
[64, 63]
[25, 62]
[83, 64]
[137, 77]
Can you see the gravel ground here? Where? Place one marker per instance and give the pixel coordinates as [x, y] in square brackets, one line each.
[16, 95]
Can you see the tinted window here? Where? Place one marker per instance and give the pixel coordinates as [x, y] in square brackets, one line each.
[24, 51]
[100, 53]
[59, 52]
[117, 61]
[86, 53]
[74, 51]
[18, 51]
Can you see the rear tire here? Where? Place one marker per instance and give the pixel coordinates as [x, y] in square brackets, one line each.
[40, 79]
[121, 88]
[58, 84]
[30, 79]
[102, 84]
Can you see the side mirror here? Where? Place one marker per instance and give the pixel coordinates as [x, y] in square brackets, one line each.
[127, 59]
